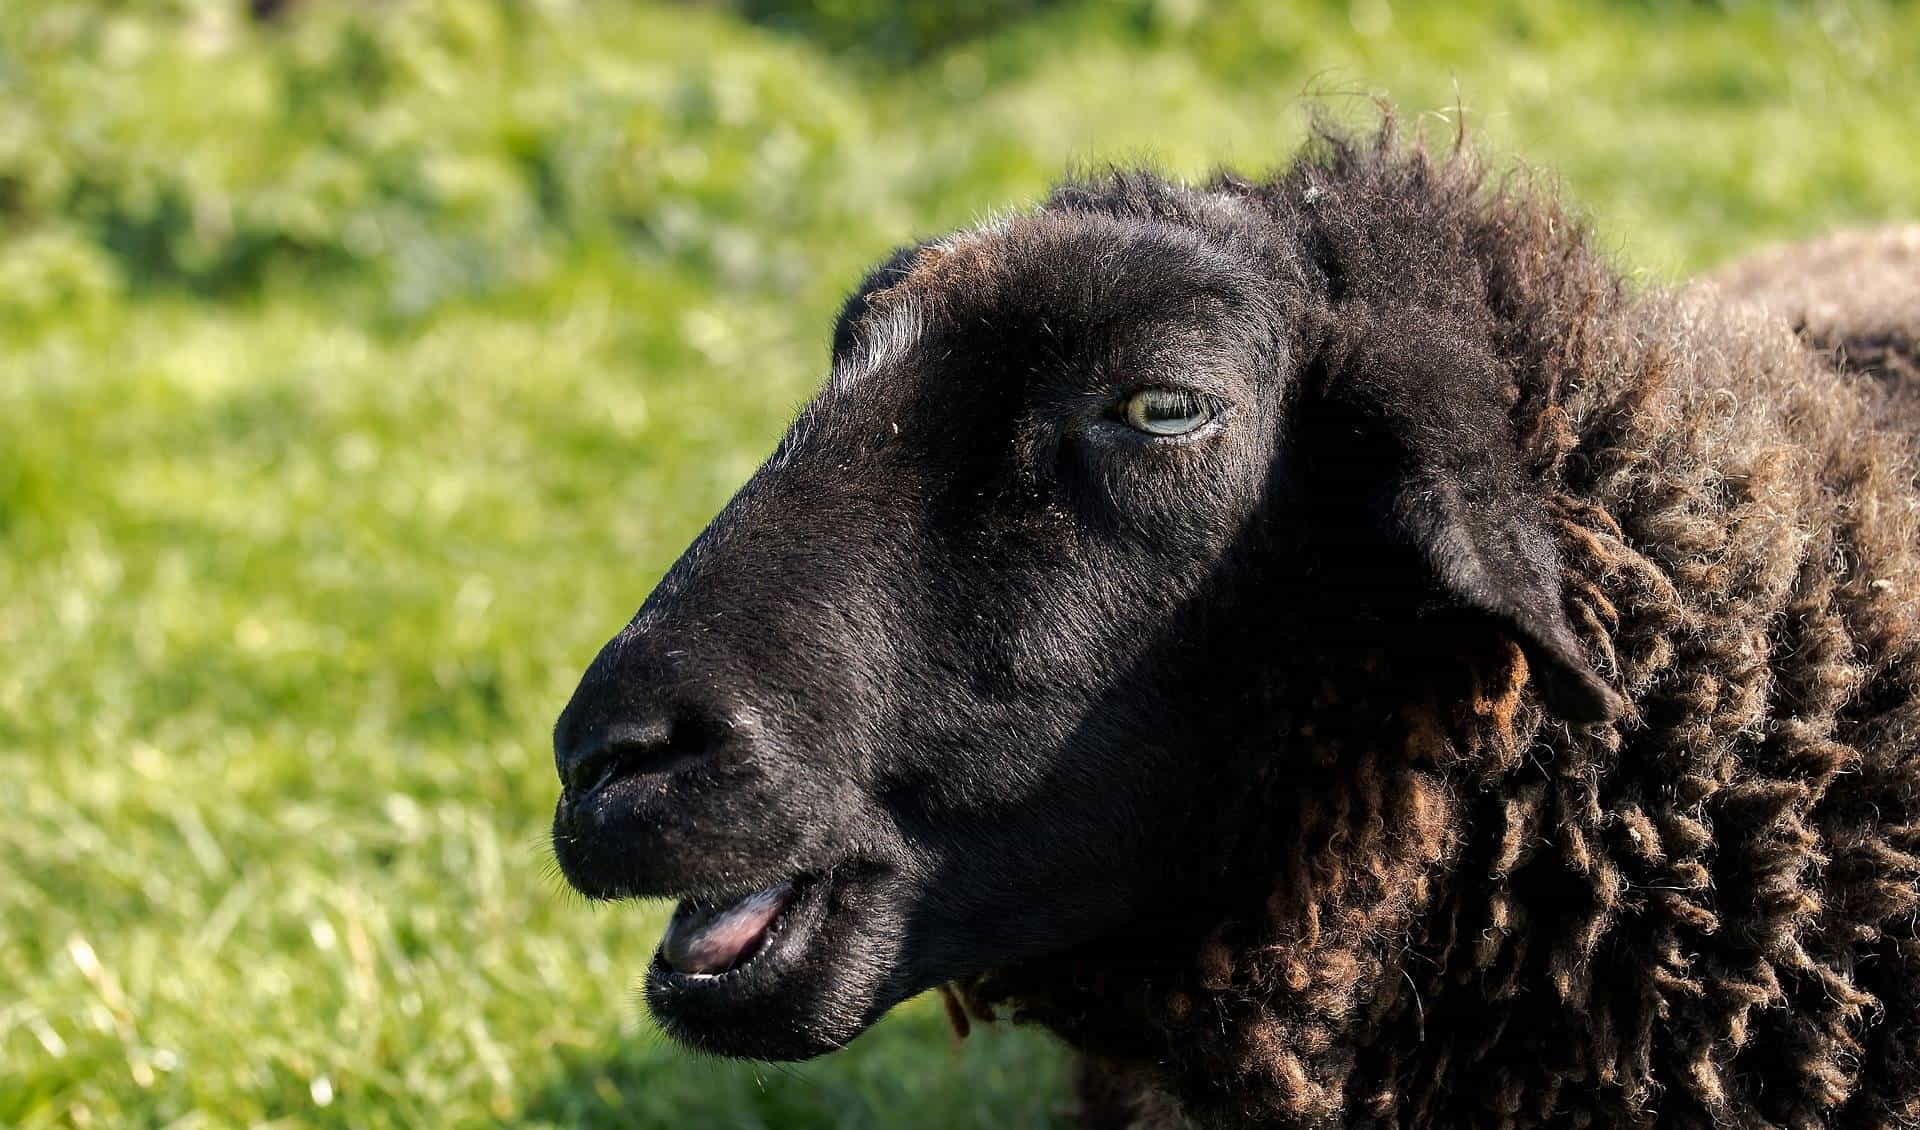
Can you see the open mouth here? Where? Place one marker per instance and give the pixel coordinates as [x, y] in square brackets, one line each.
[786, 965]
[787, 971]
[713, 938]
[739, 949]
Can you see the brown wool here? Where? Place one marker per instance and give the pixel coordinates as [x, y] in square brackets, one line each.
[1703, 912]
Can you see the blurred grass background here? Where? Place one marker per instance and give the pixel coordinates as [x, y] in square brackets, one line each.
[363, 363]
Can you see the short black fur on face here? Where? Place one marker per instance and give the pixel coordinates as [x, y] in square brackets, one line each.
[1470, 682]
[970, 651]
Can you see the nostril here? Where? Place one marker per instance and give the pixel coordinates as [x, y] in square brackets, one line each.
[627, 749]
[590, 772]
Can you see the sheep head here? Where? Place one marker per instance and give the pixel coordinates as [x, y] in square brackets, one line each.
[984, 664]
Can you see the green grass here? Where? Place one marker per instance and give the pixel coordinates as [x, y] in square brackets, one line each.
[358, 376]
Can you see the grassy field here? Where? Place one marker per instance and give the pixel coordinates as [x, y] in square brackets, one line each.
[360, 373]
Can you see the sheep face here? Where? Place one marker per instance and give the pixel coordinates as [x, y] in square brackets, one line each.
[976, 667]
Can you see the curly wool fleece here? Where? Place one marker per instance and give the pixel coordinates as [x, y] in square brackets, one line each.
[1702, 913]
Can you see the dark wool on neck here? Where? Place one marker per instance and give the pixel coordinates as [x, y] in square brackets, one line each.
[1702, 913]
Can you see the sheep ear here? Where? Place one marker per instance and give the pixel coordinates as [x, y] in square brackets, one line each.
[1495, 556]
[1445, 480]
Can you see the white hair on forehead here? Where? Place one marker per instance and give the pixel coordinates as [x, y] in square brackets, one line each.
[891, 328]
[885, 336]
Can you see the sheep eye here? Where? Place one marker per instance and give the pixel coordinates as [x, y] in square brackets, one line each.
[1166, 411]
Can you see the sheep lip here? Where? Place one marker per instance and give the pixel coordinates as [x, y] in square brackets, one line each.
[709, 938]
[708, 941]
[813, 980]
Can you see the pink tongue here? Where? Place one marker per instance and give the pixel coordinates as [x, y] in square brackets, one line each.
[707, 939]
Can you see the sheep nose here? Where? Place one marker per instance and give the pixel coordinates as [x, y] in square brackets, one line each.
[660, 741]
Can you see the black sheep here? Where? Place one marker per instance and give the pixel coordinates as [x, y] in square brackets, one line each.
[1324, 646]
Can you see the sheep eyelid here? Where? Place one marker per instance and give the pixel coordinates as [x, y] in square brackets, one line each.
[1111, 430]
[1210, 410]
